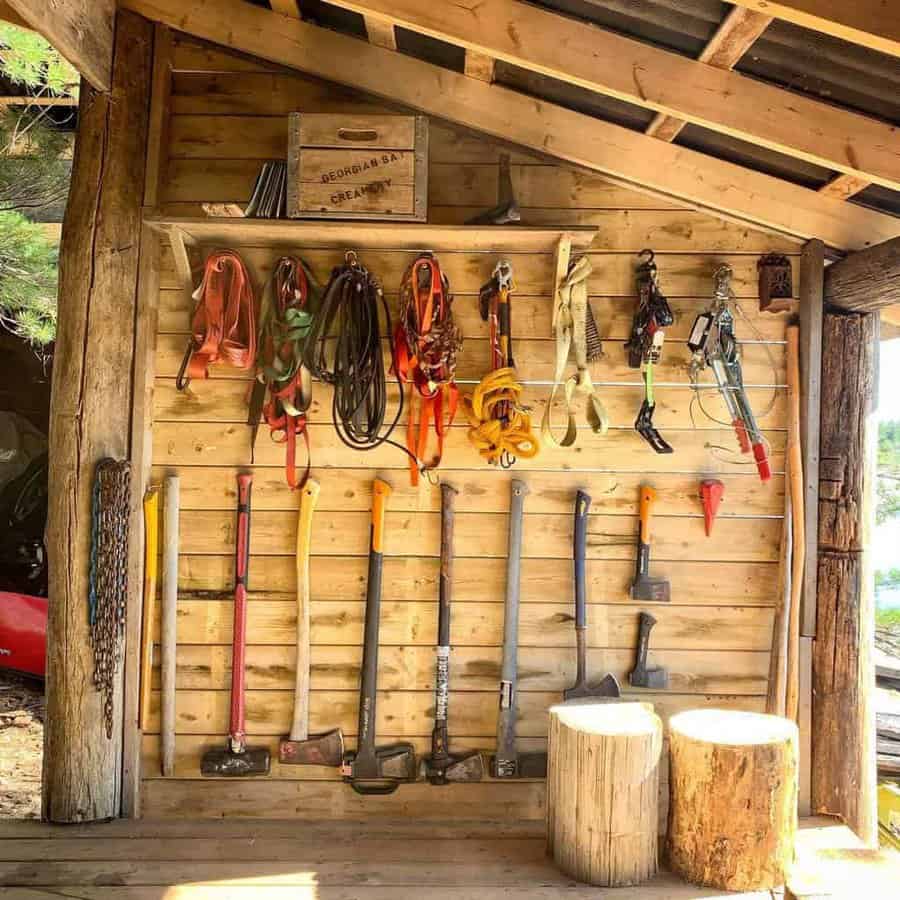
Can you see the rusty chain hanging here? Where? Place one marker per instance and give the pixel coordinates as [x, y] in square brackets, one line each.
[108, 575]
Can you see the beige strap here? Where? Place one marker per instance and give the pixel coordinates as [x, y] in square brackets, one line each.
[571, 322]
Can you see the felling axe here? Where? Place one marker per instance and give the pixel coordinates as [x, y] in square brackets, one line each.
[442, 766]
[642, 675]
[299, 748]
[371, 769]
[644, 587]
[711, 493]
[237, 759]
[608, 688]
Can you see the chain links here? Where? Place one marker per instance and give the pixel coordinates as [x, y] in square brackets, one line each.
[107, 602]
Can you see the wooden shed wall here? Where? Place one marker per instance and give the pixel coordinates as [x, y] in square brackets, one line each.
[222, 115]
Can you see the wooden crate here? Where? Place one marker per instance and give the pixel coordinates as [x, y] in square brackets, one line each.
[358, 167]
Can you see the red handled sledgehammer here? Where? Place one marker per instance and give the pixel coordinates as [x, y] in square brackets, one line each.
[237, 759]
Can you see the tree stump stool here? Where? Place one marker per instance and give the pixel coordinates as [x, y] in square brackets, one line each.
[733, 798]
[603, 791]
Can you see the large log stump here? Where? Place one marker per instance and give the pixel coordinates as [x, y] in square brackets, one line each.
[733, 803]
[603, 791]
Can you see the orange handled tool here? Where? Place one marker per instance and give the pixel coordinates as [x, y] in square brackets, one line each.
[654, 590]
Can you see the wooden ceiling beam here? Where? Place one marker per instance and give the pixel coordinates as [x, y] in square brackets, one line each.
[632, 157]
[844, 186]
[598, 60]
[733, 38]
[866, 281]
[81, 30]
[870, 23]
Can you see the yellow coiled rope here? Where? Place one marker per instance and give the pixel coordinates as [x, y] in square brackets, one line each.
[501, 438]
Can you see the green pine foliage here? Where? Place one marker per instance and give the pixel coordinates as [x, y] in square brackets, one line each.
[33, 174]
[28, 278]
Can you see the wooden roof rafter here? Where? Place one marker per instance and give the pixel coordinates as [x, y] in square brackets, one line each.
[870, 23]
[635, 159]
[641, 74]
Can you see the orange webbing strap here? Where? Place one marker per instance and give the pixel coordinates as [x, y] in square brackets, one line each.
[425, 346]
[223, 325]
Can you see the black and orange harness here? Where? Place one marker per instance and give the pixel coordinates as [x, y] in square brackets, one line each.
[426, 343]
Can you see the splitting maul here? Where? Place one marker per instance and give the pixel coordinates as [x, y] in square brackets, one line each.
[713, 343]
[608, 688]
[507, 761]
[371, 769]
[442, 766]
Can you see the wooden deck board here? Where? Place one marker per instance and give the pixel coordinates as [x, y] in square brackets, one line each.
[390, 859]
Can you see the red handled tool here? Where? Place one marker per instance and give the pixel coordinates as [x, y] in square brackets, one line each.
[237, 759]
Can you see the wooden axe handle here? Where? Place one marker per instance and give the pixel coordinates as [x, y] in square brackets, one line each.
[308, 498]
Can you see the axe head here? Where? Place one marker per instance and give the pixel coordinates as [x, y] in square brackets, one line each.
[607, 689]
[318, 750]
[235, 763]
[455, 769]
[650, 590]
[655, 678]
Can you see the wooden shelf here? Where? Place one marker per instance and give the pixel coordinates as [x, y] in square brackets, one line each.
[304, 233]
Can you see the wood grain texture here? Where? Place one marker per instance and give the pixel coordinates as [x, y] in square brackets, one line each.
[572, 136]
[227, 115]
[81, 30]
[91, 406]
[843, 768]
[865, 282]
[706, 93]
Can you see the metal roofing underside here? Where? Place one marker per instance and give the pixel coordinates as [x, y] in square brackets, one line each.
[796, 59]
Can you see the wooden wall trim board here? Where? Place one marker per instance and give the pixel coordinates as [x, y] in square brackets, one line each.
[713, 96]
[714, 637]
[812, 310]
[570, 136]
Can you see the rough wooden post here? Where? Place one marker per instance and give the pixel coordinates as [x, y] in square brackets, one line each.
[91, 413]
[843, 763]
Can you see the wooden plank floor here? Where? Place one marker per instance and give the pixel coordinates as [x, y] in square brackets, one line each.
[240, 860]
[244, 859]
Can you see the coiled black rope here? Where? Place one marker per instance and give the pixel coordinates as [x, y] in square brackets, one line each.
[345, 349]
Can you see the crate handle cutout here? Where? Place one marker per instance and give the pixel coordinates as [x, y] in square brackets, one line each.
[357, 134]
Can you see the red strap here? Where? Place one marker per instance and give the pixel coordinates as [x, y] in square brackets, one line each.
[224, 322]
[415, 325]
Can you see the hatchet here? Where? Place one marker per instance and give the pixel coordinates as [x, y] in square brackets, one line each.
[654, 590]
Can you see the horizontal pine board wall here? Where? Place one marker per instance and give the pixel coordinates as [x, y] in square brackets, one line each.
[226, 114]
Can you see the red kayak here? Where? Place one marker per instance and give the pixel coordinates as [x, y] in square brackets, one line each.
[23, 633]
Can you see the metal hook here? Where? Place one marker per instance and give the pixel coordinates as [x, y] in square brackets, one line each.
[502, 274]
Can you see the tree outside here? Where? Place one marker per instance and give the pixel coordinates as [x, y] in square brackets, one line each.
[34, 175]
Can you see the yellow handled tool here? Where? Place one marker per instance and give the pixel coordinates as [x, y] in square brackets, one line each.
[151, 560]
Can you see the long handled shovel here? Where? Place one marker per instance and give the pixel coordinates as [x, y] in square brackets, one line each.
[237, 759]
[371, 769]
[299, 748]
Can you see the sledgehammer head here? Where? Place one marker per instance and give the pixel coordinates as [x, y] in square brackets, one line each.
[235, 761]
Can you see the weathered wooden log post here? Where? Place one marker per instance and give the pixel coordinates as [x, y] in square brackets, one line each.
[843, 763]
[91, 413]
